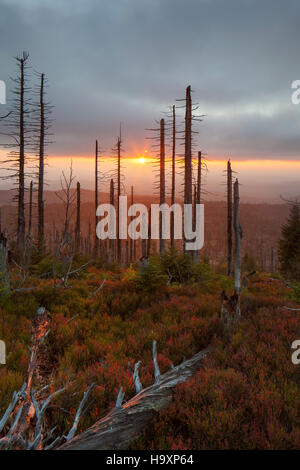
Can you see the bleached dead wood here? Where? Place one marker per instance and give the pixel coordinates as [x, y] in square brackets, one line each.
[123, 424]
[26, 414]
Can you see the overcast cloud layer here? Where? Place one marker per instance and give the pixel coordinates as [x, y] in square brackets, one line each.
[128, 60]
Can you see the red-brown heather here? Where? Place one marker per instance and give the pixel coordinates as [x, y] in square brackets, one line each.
[143, 344]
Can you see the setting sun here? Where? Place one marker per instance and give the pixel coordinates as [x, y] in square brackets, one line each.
[142, 160]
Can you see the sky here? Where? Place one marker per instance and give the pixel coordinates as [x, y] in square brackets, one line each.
[129, 60]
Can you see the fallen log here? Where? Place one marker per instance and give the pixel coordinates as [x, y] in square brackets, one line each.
[23, 407]
[125, 423]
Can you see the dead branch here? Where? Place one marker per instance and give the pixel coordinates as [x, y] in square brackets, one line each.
[124, 423]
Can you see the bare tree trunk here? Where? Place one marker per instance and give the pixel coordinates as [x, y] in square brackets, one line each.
[119, 241]
[112, 202]
[188, 198]
[199, 177]
[77, 227]
[30, 210]
[149, 233]
[144, 241]
[131, 241]
[21, 173]
[198, 192]
[41, 222]
[229, 219]
[162, 187]
[173, 173]
[238, 240]
[195, 252]
[96, 198]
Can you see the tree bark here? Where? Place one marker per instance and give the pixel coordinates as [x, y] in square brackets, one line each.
[30, 210]
[119, 241]
[41, 222]
[21, 175]
[188, 196]
[238, 240]
[229, 219]
[173, 173]
[162, 187]
[77, 227]
[96, 198]
[112, 202]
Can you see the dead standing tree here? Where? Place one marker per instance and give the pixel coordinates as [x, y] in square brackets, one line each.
[64, 248]
[77, 226]
[159, 164]
[20, 133]
[191, 115]
[119, 241]
[111, 241]
[131, 242]
[188, 195]
[238, 234]
[21, 185]
[229, 220]
[96, 241]
[198, 193]
[162, 185]
[230, 306]
[173, 184]
[44, 110]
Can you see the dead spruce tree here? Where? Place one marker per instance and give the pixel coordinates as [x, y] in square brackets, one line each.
[229, 220]
[119, 241]
[230, 305]
[197, 195]
[64, 249]
[77, 226]
[162, 185]
[173, 184]
[190, 117]
[159, 164]
[131, 218]
[111, 241]
[43, 109]
[19, 133]
[96, 241]
[188, 196]
[238, 234]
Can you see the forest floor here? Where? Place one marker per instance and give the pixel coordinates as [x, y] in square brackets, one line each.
[246, 396]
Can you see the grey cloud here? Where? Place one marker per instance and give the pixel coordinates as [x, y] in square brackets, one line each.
[128, 60]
